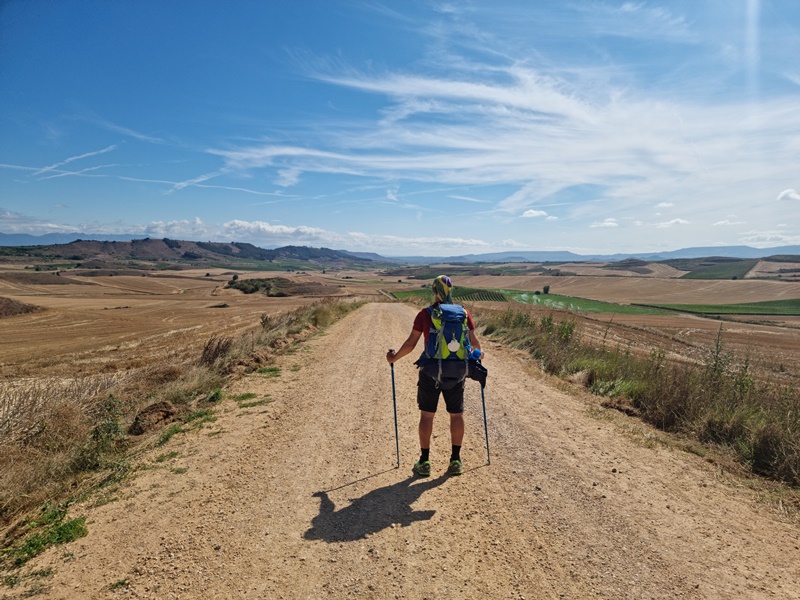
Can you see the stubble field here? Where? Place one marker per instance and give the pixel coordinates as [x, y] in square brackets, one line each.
[111, 324]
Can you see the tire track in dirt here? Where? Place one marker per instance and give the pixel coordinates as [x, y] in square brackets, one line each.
[301, 498]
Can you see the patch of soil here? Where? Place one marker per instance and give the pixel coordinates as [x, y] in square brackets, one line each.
[152, 417]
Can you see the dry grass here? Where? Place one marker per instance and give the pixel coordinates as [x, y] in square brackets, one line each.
[59, 435]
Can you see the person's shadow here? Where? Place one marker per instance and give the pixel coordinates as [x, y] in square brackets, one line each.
[376, 510]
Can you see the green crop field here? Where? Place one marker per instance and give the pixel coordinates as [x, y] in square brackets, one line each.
[770, 308]
[727, 270]
[578, 304]
[554, 301]
[460, 294]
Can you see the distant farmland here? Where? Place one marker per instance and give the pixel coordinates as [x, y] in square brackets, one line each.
[785, 308]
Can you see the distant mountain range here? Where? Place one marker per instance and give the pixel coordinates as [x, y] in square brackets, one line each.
[11, 239]
[549, 256]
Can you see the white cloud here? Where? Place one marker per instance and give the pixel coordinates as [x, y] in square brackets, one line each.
[667, 224]
[262, 232]
[178, 229]
[606, 223]
[14, 222]
[551, 218]
[534, 213]
[727, 222]
[664, 205]
[789, 194]
[391, 195]
[267, 231]
[288, 177]
[766, 239]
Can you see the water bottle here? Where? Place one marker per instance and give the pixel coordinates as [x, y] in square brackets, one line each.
[475, 354]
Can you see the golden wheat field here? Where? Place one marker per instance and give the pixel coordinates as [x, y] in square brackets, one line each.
[109, 324]
[114, 323]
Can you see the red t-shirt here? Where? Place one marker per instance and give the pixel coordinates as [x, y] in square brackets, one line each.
[422, 322]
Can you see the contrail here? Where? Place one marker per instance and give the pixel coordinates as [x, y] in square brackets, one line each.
[73, 158]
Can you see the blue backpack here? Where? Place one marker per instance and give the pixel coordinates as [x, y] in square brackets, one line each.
[446, 354]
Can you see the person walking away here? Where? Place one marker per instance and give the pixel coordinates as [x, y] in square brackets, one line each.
[449, 334]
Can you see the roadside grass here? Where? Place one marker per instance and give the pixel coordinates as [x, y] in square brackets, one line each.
[60, 440]
[718, 401]
[269, 371]
[50, 528]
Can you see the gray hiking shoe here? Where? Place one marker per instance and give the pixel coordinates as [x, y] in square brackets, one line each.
[455, 468]
[422, 468]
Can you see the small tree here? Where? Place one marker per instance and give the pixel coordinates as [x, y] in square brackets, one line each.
[546, 289]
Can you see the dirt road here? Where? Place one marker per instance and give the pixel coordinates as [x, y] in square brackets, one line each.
[300, 498]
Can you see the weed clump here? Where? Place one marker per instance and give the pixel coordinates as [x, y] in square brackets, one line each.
[718, 401]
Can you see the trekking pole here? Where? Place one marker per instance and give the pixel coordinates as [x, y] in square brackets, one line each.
[485, 428]
[394, 403]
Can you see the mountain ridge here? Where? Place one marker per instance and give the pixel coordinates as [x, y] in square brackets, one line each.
[243, 249]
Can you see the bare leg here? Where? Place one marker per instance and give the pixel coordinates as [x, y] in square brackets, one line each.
[456, 428]
[425, 428]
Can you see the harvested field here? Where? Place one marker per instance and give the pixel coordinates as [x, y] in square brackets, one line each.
[609, 270]
[122, 323]
[772, 348]
[647, 290]
[785, 270]
[35, 278]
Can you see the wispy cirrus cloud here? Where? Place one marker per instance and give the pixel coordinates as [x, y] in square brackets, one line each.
[126, 131]
[467, 199]
[529, 129]
[638, 20]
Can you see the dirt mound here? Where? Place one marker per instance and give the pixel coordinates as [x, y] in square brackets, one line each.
[152, 418]
[9, 307]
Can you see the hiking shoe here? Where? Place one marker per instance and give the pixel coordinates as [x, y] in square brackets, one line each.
[422, 468]
[455, 468]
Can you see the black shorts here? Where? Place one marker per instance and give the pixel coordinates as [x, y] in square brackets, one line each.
[428, 395]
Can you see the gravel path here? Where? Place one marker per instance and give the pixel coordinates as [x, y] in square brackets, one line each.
[300, 497]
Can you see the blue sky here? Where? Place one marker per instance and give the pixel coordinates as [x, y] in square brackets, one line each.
[433, 128]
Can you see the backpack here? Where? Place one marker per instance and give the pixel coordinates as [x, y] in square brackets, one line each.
[447, 352]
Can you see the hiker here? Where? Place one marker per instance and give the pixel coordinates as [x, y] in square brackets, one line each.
[442, 369]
